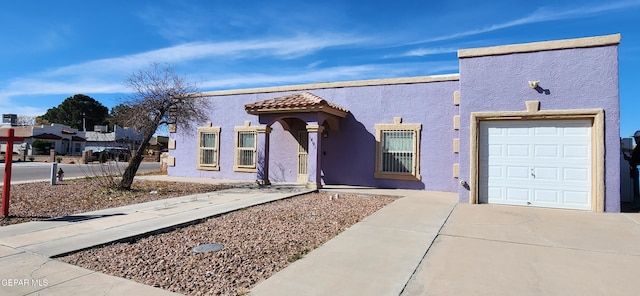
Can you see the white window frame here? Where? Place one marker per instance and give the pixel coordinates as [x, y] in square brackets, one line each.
[398, 126]
[215, 166]
[238, 151]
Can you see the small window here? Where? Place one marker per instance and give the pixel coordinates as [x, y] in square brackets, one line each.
[208, 148]
[246, 149]
[397, 151]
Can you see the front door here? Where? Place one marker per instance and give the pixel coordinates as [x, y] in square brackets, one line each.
[303, 156]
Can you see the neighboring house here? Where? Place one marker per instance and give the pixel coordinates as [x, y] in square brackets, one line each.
[64, 139]
[120, 138]
[157, 144]
[533, 124]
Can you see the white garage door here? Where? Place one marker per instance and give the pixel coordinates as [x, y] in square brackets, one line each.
[544, 163]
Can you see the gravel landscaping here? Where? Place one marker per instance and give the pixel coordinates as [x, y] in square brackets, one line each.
[258, 241]
[38, 201]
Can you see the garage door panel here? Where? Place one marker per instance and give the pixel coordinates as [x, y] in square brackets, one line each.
[546, 151]
[518, 151]
[517, 173]
[576, 174]
[546, 173]
[544, 163]
[576, 130]
[519, 194]
[576, 151]
[546, 131]
[518, 131]
[546, 196]
[495, 193]
[496, 151]
[495, 172]
[577, 199]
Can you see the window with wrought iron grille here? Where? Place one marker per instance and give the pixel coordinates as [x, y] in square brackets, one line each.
[208, 148]
[246, 152]
[397, 150]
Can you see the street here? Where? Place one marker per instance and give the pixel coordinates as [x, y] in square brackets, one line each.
[41, 171]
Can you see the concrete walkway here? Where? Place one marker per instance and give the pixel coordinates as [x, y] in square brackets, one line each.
[26, 249]
[424, 243]
[377, 256]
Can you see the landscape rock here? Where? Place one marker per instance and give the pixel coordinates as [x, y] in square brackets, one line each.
[258, 242]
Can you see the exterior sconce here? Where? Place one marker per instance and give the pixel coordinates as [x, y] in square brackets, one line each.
[534, 84]
[325, 133]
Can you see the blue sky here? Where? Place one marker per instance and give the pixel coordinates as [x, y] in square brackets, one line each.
[52, 50]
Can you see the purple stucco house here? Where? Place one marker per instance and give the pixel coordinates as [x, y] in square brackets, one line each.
[533, 124]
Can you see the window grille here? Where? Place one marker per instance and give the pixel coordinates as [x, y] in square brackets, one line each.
[208, 149]
[246, 149]
[397, 151]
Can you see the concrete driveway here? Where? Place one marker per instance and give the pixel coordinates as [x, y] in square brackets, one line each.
[508, 250]
[428, 244]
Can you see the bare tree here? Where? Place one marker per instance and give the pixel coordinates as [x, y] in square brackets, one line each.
[25, 120]
[159, 97]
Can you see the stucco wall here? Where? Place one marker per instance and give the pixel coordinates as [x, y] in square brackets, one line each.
[579, 78]
[227, 113]
[573, 74]
[348, 153]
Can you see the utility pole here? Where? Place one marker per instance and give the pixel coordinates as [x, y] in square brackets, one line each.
[84, 123]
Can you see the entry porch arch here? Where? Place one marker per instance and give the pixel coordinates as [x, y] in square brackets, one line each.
[309, 118]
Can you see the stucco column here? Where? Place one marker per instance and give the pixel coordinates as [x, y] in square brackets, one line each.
[314, 156]
[263, 154]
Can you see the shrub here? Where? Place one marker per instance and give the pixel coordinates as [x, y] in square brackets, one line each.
[41, 146]
[103, 157]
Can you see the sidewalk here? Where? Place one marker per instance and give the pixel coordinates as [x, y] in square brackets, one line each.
[26, 249]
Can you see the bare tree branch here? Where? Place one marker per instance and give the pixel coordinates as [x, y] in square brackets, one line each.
[159, 96]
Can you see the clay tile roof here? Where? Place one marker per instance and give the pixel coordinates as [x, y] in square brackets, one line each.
[47, 136]
[18, 131]
[298, 102]
[78, 139]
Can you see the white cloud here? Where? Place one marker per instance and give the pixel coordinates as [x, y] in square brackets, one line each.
[419, 52]
[373, 71]
[543, 14]
[33, 87]
[286, 48]
[106, 75]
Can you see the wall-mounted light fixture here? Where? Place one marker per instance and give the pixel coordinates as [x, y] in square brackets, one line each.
[325, 133]
[536, 85]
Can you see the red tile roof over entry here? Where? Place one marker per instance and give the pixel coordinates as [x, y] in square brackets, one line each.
[304, 102]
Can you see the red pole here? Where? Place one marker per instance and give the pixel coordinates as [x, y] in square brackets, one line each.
[8, 159]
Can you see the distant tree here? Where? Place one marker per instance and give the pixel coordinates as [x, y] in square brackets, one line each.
[159, 97]
[118, 115]
[41, 121]
[73, 109]
[24, 120]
